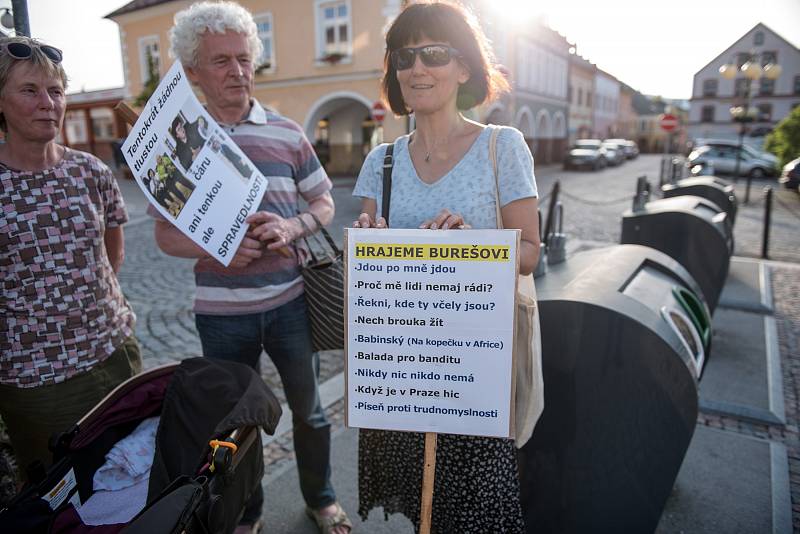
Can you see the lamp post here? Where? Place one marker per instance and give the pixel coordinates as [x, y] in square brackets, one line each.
[752, 71]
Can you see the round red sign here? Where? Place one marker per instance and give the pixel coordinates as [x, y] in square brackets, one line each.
[378, 112]
[668, 122]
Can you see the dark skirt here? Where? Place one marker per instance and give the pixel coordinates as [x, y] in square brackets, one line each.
[476, 486]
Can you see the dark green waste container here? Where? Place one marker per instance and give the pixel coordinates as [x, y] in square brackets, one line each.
[711, 188]
[625, 334]
[692, 230]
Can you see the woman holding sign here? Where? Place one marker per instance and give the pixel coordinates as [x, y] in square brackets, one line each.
[66, 330]
[437, 65]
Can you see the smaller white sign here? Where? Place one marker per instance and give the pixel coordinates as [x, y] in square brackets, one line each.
[191, 170]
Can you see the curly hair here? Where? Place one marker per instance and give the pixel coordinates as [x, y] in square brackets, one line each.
[216, 17]
[449, 23]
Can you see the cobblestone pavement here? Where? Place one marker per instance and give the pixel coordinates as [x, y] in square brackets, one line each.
[160, 288]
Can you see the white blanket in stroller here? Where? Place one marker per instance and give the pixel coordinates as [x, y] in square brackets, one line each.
[120, 485]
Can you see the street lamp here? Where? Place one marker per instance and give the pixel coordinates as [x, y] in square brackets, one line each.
[752, 71]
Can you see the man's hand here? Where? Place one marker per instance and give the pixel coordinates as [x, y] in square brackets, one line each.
[249, 250]
[273, 229]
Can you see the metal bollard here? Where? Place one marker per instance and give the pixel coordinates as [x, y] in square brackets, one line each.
[541, 266]
[557, 242]
[767, 221]
[642, 193]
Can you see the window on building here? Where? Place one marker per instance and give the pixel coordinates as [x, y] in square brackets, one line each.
[569, 94]
[102, 123]
[589, 98]
[265, 35]
[768, 57]
[796, 85]
[149, 57]
[334, 28]
[766, 86]
[764, 112]
[707, 114]
[75, 124]
[710, 87]
[741, 86]
[758, 38]
[742, 58]
[580, 96]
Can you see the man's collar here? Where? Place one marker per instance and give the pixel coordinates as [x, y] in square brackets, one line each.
[257, 113]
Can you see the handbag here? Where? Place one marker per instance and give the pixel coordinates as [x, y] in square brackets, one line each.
[529, 380]
[323, 276]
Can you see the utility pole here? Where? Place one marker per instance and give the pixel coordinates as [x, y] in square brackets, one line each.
[21, 24]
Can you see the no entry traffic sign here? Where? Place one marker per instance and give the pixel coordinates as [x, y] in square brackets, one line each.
[668, 122]
[378, 112]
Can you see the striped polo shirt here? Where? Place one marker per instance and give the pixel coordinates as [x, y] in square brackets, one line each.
[282, 153]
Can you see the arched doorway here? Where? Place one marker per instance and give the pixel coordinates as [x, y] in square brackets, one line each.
[543, 136]
[524, 123]
[340, 128]
[495, 115]
[559, 142]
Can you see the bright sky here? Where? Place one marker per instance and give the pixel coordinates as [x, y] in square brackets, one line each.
[655, 47]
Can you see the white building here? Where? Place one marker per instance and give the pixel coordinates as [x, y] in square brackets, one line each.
[713, 96]
[536, 59]
[606, 105]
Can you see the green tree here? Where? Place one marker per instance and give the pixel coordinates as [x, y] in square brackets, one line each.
[784, 141]
[150, 85]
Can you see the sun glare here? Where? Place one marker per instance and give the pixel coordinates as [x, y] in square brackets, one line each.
[518, 12]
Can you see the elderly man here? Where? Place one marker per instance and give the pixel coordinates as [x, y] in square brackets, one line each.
[257, 302]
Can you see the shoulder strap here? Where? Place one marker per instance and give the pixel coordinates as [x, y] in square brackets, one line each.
[493, 157]
[388, 163]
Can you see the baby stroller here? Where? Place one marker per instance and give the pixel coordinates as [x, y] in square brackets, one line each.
[208, 457]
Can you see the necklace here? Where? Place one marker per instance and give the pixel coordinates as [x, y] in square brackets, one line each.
[428, 151]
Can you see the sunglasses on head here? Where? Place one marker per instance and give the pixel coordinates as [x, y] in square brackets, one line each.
[431, 56]
[25, 51]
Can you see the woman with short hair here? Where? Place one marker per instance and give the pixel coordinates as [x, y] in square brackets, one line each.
[437, 65]
[66, 330]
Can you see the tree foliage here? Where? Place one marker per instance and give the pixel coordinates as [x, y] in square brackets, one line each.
[784, 141]
[150, 85]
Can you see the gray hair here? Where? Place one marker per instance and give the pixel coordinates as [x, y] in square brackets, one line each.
[37, 59]
[216, 17]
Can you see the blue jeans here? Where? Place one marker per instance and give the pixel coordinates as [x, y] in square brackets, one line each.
[284, 333]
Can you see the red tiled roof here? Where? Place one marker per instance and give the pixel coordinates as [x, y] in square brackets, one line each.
[135, 5]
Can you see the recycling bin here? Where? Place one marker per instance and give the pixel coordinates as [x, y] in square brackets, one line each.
[625, 335]
[690, 229]
[711, 188]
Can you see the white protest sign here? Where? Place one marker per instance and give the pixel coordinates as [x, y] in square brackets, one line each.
[191, 170]
[430, 330]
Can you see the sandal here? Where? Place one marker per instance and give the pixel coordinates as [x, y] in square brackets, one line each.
[326, 523]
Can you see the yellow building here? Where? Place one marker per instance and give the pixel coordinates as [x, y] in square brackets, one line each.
[322, 65]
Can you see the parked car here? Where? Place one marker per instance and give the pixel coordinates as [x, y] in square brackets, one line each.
[723, 159]
[790, 177]
[629, 148]
[615, 153]
[586, 153]
[752, 151]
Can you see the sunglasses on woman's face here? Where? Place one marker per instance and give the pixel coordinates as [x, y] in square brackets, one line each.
[431, 56]
[25, 51]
